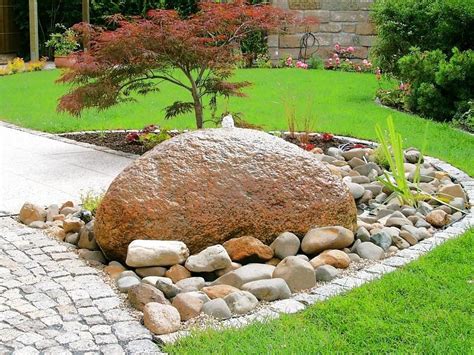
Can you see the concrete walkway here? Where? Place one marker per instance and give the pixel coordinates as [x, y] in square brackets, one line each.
[37, 168]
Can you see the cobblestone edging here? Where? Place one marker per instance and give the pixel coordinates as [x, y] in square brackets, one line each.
[300, 301]
[51, 302]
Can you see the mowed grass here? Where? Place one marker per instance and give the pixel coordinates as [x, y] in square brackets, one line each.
[340, 103]
[426, 307]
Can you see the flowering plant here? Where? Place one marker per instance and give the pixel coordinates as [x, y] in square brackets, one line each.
[301, 65]
[341, 59]
[327, 137]
[149, 136]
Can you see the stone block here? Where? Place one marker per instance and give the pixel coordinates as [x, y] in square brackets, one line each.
[349, 27]
[330, 27]
[323, 16]
[366, 41]
[349, 16]
[290, 41]
[344, 39]
[365, 28]
[340, 5]
[365, 4]
[273, 40]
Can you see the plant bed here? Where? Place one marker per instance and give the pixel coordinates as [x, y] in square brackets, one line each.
[117, 140]
[165, 280]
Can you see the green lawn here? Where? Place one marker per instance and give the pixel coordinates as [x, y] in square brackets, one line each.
[341, 103]
[427, 307]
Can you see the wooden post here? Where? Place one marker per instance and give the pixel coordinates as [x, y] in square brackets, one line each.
[85, 11]
[34, 40]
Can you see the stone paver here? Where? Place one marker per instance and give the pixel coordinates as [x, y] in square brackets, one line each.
[46, 306]
[37, 168]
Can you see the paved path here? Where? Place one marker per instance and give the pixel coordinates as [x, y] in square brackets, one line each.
[51, 302]
[42, 170]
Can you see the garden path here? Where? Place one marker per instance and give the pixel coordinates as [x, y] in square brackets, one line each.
[44, 169]
[52, 302]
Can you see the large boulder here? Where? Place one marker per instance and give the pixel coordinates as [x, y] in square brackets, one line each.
[208, 186]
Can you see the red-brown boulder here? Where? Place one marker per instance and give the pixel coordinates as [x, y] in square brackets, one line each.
[208, 186]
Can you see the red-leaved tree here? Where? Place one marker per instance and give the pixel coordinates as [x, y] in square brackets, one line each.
[198, 54]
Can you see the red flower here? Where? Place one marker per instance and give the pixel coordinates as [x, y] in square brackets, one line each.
[327, 137]
[132, 137]
[308, 146]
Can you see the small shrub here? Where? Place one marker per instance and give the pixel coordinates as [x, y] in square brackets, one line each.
[342, 59]
[440, 88]
[90, 201]
[465, 120]
[63, 43]
[148, 136]
[263, 61]
[315, 62]
[16, 65]
[37, 65]
[426, 24]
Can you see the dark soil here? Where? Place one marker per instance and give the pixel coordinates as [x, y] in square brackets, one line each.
[117, 141]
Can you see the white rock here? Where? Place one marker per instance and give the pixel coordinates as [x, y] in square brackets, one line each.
[142, 253]
[247, 273]
[286, 244]
[161, 318]
[241, 302]
[210, 259]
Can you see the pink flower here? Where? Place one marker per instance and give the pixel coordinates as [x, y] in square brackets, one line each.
[337, 47]
[365, 62]
[289, 62]
[335, 55]
[350, 49]
[338, 61]
[302, 65]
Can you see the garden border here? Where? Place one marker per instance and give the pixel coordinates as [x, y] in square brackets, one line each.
[301, 301]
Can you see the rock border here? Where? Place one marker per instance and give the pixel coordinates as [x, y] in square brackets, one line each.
[300, 301]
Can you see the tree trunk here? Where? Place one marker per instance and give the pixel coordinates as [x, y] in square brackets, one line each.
[198, 111]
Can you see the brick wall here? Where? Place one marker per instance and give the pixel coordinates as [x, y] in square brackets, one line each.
[346, 22]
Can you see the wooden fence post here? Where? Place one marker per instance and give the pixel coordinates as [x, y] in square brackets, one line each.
[34, 40]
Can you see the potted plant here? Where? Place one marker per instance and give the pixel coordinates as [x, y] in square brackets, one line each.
[63, 43]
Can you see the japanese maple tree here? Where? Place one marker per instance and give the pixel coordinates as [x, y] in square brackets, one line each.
[198, 54]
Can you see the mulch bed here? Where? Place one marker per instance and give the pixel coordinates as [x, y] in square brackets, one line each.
[117, 141]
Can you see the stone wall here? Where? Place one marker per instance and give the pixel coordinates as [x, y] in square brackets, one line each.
[346, 22]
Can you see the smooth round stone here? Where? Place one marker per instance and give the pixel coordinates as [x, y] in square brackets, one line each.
[187, 305]
[150, 271]
[382, 239]
[368, 250]
[319, 239]
[161, 318]
[241, 302]
[169, 290]
[210, 259]
[217, 308]
[191, 284]
[143, 253]
[141, 294]
[356, 190]
[298, 274]
[127, 273]
[336, 258]
[126, 283]
[152, 280]
[326, 273]
[268, 290]
[286, 244]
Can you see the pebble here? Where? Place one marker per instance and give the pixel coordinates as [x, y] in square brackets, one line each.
[319, 239]
[150, 271]
[245, 274]
[382, 239]
[368, 250]
[161, 318]
[126, 283]
[286, 244]
[356, 190]
[142, 294]
[187, 305]
[72, 224]
[241, 302]
[210, 259]
[177, 273]
[169, 290]
[336, 258]
[191, 284]
[268, 290]
[217, 308]
[437, 218]
[30, 212]
[143, 253]
[248, 249]
[326, 273]
[298, 273]
[219, 291]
